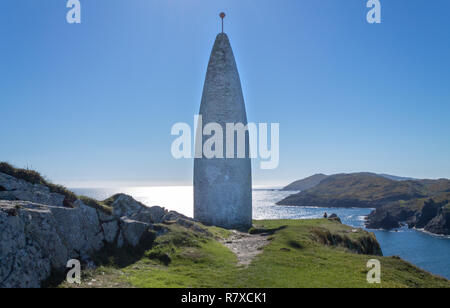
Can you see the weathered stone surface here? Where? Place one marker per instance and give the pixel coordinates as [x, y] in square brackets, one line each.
[173, 216]
[222, 187]
[133, 230]
[125, 205]
[11, 183]
[16, 189]
[110, 231]
[153, 214]
[120, 241]
[37, 238]
[29, 245]
[79, 229]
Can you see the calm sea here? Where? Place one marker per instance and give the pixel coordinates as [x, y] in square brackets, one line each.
[427, 251]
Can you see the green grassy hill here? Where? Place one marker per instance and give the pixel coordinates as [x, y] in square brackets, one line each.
[306, 183]
[364, 190]
[305, 253]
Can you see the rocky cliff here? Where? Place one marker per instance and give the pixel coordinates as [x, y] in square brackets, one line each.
[431, 214]
[440, 224]
[39, 232]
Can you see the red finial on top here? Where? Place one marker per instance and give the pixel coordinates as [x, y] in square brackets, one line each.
[222, 15]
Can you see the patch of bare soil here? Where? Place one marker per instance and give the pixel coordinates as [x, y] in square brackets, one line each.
[246, 246]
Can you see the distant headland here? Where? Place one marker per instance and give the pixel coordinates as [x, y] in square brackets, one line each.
[418, 203]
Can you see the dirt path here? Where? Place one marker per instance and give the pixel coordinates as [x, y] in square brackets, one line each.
[246, 246]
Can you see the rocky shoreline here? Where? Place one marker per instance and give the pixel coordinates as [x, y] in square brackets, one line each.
[420, 204]
[39, 233]
[432, 216]
[43, 226]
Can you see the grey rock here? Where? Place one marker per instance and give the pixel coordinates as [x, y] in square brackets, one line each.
[385, 221]
[110, 231]
[36, 239]
[79, 229]
[120, 241]
[105, 218]
[16, 189]
[133, 231]
[29, 246]
[11, 183]
[173, 216]
[153, 214]
[125, 205]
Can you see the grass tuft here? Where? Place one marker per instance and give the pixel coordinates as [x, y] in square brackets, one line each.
[35, 177]
[98, 205]
[111, 199]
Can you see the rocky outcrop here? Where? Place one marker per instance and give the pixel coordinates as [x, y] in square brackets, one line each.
[429, 211]
[441, 223]
[16, 189]
[380, 219]
[392, 216]
[334, 217]
[29, 244]
[430, 214]
[124, 205]
[38, 235]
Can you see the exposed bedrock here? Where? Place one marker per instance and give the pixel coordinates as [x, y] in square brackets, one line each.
[426, 214]
[38, 235]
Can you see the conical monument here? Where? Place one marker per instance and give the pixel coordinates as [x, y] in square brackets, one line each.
[223, 186]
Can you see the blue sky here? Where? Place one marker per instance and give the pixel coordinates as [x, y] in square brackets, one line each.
[96, 102]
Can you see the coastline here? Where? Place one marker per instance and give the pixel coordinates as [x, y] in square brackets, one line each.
[264, 204]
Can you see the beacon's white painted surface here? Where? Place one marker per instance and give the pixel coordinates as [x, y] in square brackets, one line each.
[223, 187]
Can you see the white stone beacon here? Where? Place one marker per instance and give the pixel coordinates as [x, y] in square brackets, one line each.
[223, 186]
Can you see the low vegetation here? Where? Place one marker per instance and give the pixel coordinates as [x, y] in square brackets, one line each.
[293, 257]
[35, 177]
[111, 200]
[98, 205]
